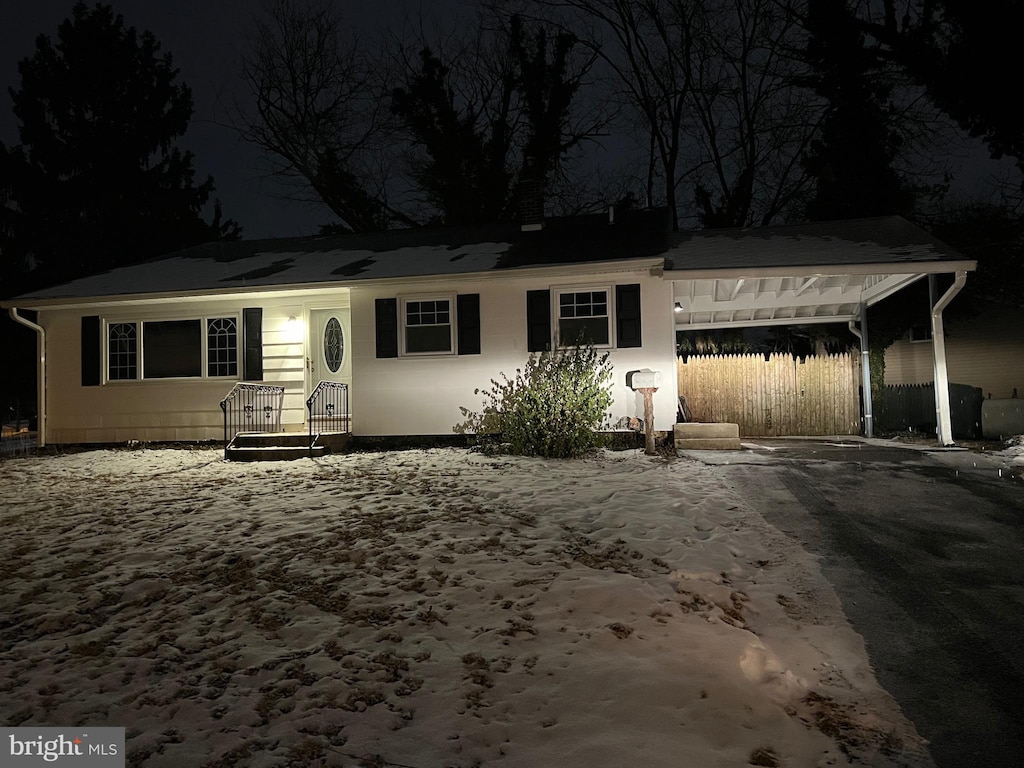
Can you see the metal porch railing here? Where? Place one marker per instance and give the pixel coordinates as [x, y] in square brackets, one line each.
[251, 408]
[328, 410]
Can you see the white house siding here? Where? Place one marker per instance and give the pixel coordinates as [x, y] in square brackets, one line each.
[162, 409]
[422, 395]
[985, 352]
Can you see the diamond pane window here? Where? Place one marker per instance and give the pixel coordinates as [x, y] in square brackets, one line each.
[334, 345]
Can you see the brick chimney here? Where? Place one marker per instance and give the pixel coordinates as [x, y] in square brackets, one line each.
[531, 196]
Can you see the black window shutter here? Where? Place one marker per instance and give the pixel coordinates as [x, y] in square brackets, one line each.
[627, 316]
[92, 364]
[538, 321]
[387, 327]
[468, 305]
[252, 325]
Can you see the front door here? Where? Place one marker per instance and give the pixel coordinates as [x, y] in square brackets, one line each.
[329, 358]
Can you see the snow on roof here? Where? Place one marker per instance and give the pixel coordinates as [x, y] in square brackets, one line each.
[878, 240]
[343, 259]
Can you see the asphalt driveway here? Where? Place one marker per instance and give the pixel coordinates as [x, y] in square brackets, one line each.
[926, 551]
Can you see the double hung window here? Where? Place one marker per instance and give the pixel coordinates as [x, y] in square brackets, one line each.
[583, 317]
[427, 326]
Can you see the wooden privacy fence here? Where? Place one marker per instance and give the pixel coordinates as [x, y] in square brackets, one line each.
[777, 396]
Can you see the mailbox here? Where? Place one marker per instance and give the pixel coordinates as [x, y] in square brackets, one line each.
[645, 378]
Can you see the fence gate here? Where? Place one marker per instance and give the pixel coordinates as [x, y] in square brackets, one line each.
[774, 396]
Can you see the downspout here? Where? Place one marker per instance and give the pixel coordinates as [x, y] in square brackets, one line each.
[865, 368]
[942, 419]
[40, 374]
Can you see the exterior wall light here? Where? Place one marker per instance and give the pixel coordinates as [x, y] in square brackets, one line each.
[293, 329]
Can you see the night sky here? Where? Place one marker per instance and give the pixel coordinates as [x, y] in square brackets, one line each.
[206, 39]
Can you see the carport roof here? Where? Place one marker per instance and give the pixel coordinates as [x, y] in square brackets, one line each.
[805, 273]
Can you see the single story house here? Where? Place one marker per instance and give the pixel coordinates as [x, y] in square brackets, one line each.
[414, 320]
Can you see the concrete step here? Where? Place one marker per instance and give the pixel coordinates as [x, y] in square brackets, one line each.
[700, 436]
[270, 439]
[283, 446]
[273, 452]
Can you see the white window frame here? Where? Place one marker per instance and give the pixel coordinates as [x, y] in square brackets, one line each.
[403, 302]
[556, 307]
[914, 338]
[204, 321]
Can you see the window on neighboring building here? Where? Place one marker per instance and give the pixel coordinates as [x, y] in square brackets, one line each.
[922, 332]
[427, 326]
[164, 349]
[583, 316]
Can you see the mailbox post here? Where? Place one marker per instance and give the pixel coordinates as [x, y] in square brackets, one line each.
[646, 382]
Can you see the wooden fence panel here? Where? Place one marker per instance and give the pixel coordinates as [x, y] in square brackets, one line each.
[774, 396]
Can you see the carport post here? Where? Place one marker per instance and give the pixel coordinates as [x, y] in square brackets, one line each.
[865, 369]
[943, 422]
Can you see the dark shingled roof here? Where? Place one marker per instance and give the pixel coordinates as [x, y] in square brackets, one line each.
[397, 253]
[882, 239]
[347, 259]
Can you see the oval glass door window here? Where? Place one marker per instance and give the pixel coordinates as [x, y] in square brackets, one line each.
[334, 345]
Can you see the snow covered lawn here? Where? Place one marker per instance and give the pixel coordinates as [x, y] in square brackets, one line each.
[427, 609]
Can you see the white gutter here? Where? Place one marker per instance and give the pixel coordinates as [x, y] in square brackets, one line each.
[40, 373]
[942, 419]
[865, 368]
[821, 270]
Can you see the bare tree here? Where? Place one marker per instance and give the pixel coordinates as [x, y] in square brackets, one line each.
[321, 110]
[750, 123]
[647, 45]
[711, 81]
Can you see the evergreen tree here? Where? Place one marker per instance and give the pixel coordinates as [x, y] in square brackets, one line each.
[463, 174]
[964, 54]
[473, 150]
[96, 181]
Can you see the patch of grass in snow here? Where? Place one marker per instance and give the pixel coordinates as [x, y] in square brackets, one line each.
[693, 602]
[764, 756]
[477, 670]
[733, 610]
[20, 716]
[618, 556]
[840, 722]
[231, 757]
[307, 752]
[620, 630]
[92, 648]
[362, 699]
[276, 698]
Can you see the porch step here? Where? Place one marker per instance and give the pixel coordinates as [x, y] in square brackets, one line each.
[698, 436]
[274, 452]
[271, 439]
[282, 446]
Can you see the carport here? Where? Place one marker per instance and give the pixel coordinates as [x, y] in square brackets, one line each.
[826, 272]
